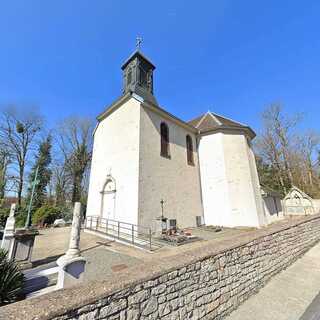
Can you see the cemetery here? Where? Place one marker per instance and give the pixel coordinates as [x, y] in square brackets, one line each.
[71, 260]
[65, 257]
[163, 187]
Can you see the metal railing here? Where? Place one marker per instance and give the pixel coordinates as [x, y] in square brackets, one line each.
[134, 234]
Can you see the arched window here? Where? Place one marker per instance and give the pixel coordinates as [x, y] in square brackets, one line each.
[164, 132]
[189, 150]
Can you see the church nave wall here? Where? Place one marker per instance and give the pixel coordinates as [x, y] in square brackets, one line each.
[170, 179]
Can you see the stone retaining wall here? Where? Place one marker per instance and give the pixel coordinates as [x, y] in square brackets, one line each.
[207, 286]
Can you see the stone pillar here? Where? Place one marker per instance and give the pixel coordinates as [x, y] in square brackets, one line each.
[74, 244]
[72, 265]
[8, 234]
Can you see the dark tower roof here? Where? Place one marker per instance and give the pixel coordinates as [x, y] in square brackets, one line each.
[138, 77]
[137, 54]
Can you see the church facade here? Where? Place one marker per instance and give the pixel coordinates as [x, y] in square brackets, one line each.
[147, 163]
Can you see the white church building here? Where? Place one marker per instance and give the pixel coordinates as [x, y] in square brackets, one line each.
[147, 162]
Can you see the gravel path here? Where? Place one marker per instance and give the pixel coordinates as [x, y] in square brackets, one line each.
[105, 257]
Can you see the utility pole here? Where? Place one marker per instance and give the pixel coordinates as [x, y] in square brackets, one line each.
[34, 184]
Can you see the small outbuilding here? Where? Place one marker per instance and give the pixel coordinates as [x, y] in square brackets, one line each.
[297, 202]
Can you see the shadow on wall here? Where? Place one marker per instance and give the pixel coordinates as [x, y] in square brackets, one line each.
[273, 205]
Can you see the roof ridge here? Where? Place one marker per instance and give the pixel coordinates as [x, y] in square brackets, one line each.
[215, 118]
[137, 52]
[200, 121]
[219, 115]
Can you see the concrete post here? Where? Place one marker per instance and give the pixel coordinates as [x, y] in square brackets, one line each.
[74, 244]
[8, 235]
[72, 265]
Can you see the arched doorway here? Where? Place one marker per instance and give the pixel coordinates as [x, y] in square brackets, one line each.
[108, 199]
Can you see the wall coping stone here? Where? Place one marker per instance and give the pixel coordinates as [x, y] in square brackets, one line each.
[60, 302]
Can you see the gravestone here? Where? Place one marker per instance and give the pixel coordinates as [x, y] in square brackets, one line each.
[8, 234]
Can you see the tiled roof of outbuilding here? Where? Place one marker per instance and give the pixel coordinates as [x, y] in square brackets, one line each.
[210, 121]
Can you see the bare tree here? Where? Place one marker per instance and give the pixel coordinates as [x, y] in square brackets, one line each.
[310, 146]
[305, 161]
[61, 183]
[75, 141]
[4, 162]
[18, 130]
[283, 125]
[284, 151]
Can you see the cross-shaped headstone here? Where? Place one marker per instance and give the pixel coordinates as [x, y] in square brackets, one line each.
[138, 43]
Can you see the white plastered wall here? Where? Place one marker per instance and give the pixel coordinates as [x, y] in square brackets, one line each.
[116, 153]
[172, 180]
[256, 184]
[230, 184]
[214, 185]
[316, 205]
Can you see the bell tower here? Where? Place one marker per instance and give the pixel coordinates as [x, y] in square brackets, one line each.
[138, 76]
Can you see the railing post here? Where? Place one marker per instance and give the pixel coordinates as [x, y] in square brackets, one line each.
[106, 225]
[91, 223]
[97, 221]
[132, 234]
[118, 229]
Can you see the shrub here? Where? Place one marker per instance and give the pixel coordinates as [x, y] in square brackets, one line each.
[11, 279]
[21, 216]
[66, 213]
[46, 215]
[4, 214]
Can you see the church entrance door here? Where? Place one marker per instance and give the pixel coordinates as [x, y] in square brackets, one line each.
[109, 205]
[109, 200]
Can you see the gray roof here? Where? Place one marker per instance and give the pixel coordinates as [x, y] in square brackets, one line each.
[210, 121]
[145, 94]
[135, 54]
[117, 103]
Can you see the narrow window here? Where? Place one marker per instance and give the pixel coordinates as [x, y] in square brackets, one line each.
[164, 132]
[189, 150]
[143, 77]
[129, 77]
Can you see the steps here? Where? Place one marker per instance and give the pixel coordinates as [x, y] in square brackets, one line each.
[40, 281]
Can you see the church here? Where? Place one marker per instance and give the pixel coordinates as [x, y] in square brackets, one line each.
[148, 163]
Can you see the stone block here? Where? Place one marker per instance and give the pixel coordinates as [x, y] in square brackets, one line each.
[113, 307]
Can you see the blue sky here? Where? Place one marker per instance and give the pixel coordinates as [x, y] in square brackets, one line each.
[232, 57]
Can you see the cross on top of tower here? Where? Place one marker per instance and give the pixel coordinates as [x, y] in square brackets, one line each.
[138, 43]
